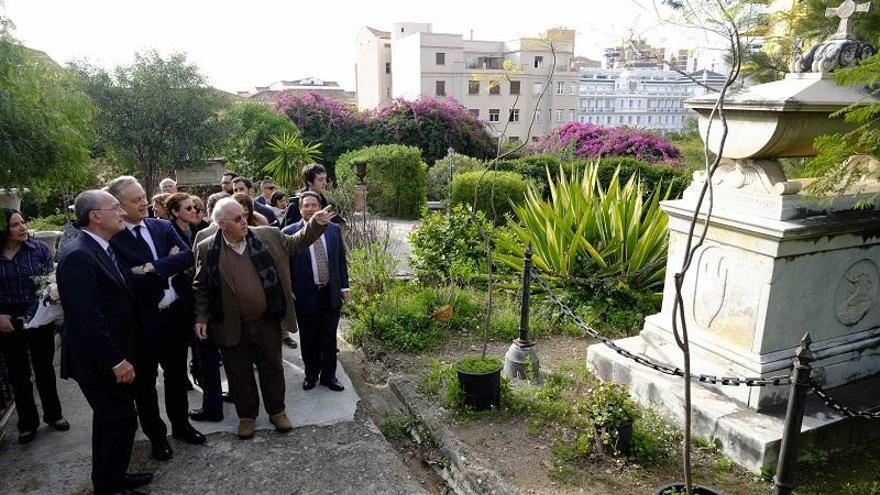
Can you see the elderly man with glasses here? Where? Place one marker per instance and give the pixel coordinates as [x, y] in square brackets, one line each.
[243, 299]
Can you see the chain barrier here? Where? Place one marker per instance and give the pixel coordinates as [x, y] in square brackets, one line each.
[832, 403]
[666, 369]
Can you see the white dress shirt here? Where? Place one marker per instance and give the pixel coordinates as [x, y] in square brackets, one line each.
[170, 294]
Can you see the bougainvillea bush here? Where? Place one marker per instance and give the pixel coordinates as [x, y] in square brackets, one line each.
[434, 126]
[592, 141]
[429, 124]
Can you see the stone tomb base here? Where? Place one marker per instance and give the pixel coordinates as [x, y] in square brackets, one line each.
[750, 438]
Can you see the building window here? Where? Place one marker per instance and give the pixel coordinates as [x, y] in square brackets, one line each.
[539, 61]
[513, 139]
[536, 88]
[514, 87]
[440, 58]
[608, 119]
[560, 88]
[494, 115]
[537, 116]
[571, 115]
[559, 115]
[440, 88]
[473, 87]
[388, 67]
[495, 88]
[514, 115]
[571, 89]
[475, 112]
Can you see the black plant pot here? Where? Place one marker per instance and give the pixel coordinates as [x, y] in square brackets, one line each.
[480, 390]
[698, 490]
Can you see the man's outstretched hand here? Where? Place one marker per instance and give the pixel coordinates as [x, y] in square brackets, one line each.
[324, 215]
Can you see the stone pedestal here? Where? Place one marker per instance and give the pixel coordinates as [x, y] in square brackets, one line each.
[360, 198]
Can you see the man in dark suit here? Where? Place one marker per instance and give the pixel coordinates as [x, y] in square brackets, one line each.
[316, 181]
[98, 339]
[243, 299]
[320, 286]
[244, 186]
[154, 254]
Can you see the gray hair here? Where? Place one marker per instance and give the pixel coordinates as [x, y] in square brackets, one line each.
[119, 184]
[218, 208]
[167, 180]
[212, 200]
[85, 203]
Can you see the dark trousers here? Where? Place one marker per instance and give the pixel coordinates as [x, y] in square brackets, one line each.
[317, 338]
[114, 423]
[167, 347]
[23, 349]
[261, 345]
[208, 356]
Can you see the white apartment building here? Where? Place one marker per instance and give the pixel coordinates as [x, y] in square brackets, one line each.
[503, 83]
[650, 99]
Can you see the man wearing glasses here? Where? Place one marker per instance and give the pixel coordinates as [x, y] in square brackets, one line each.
[243, 300]
[267, 189]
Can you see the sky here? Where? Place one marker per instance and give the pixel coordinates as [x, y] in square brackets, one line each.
[241, 44]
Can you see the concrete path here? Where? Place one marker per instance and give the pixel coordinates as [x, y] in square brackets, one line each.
[334, 448]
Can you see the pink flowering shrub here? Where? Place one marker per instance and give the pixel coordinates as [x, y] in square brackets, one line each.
[591, 141]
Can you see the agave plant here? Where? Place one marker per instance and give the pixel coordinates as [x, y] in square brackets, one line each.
[585, 228]
[292, 152]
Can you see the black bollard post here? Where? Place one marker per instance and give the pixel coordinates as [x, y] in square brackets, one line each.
[521, 360]
[794, 418]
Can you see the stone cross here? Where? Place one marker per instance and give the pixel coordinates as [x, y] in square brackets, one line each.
[845, 11]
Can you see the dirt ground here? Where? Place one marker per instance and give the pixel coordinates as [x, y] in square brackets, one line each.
[527, 460]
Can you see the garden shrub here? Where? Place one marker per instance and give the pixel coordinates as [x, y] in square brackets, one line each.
[48, 222]
[371, 272]
[494, 192]
[396, 178]
[440, 174]
[400, 320]
[593, 141]
[448, 244]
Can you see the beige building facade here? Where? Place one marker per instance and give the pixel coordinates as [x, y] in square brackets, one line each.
[521, 88]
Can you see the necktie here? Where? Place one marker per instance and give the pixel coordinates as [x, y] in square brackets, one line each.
[321, 262]
[112, 256]
[142, 243]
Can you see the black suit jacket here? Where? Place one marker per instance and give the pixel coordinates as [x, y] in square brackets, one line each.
[150, 288]
[99, 326]
[304, 290]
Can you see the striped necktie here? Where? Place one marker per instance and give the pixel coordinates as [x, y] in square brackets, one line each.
[321, 262]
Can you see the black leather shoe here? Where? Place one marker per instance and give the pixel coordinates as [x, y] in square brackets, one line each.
[309, 383]
[226, 396]
[26, 436]
[162, 450]
[289, 342]
[129, 492]
[134, 480]
[333, 385]
[188, 434]
[202, 415]
[60, 425]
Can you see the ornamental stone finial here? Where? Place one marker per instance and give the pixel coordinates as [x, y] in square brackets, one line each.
[839, 50]
[845, 11]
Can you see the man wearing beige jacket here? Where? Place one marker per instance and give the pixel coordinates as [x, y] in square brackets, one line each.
[243, 299]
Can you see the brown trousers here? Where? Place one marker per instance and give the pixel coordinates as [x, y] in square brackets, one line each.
[261, 345]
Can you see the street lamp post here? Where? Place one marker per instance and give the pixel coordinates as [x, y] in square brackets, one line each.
[521, 360]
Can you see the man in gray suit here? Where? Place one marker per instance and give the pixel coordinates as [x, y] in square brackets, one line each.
[243, 299]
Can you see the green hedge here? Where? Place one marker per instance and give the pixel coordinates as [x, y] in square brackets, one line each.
[441, 173]
[491, 188]
[396, 178]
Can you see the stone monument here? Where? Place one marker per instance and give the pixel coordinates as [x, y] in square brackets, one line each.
[776, 263]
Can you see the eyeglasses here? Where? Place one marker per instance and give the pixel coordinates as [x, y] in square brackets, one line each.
[269, 187]
[237, 219]
[190, 208]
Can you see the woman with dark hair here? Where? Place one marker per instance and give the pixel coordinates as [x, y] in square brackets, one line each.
[278, 203]
[21, 260]
[254, 219]
[182, 214]
[200, 212]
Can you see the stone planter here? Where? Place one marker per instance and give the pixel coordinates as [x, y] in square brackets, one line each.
[49, 238]
[11, 198]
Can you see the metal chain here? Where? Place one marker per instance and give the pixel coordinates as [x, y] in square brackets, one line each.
[666, 369]
[832, 403]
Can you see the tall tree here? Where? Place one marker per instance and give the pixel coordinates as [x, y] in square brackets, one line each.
[45, 119]
[157, 113]
[248, 128]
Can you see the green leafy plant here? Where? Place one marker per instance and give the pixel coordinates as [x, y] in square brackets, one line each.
[291, 153]
[589, 231]
[440, 174]
[477, 364]
[396, 178]
[492, 193]
[610, 408]
[371, 272]
[448, 244]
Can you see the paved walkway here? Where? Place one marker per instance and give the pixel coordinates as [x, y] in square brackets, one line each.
[334, 448]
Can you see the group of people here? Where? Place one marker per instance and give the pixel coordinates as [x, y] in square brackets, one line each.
[143, 281]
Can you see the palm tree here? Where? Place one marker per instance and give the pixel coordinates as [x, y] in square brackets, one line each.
[291, 154]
